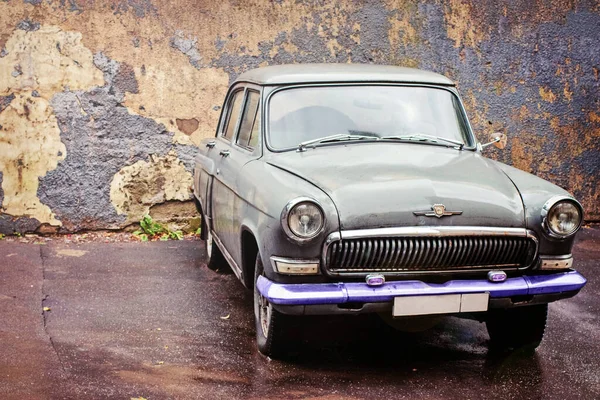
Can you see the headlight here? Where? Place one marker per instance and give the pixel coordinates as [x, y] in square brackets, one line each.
[302, 219]
[562, 217]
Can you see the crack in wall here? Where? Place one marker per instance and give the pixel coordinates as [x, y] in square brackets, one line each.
[45, 297]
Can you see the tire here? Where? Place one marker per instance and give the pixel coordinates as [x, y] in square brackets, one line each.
[213, 256]
[520, 328]
[272, 327]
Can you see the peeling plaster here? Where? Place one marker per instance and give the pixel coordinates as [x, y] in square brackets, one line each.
[526, 68]
[50, 60]
[30, 146]
[137, 187]
[96, 128]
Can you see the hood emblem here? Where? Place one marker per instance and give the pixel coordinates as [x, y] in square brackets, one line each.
[438, 210]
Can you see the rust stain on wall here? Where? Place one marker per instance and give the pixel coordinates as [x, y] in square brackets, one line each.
[547, 95]
[187, 126]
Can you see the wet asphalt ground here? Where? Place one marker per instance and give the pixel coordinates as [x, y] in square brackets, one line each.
[130, 320]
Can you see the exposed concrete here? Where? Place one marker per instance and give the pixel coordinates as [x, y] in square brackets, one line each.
[188, 47]
[29, 26]
[11, 225]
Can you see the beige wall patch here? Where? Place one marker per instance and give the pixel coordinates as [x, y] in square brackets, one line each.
[137, 187]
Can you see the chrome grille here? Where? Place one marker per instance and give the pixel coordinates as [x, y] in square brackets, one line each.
[425, 254]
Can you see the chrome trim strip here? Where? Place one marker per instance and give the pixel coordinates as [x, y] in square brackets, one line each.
[418, 231]
[531, 235]
[430, 231]
[562, 257]
[274, 259]
[236, 269]
[553, 263]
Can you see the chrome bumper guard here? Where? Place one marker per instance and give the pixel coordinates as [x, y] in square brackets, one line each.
[355, 292]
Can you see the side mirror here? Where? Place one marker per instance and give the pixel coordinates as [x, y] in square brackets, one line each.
[497, 139]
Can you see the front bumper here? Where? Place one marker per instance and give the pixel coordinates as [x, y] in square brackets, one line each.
[327, 298]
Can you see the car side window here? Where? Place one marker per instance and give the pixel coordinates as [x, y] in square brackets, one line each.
[233, 114]
[247, 136]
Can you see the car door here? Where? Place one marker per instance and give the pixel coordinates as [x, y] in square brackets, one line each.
[240, 149]
[246, 148]
[223, 183]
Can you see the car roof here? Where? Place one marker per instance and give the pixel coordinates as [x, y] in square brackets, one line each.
[323, 73]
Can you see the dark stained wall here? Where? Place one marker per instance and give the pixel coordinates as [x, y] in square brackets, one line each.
[103, 102]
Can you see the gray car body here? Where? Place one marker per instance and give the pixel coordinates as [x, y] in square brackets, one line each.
[245, 192]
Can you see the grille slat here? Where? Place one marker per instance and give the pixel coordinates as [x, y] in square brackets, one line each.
[423, 254]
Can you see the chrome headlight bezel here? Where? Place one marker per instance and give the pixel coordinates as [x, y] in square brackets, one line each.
[285, 219]
[548, 207]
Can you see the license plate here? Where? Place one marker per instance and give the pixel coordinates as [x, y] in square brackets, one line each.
[440, 304]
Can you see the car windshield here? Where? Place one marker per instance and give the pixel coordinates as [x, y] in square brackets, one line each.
[306, 114]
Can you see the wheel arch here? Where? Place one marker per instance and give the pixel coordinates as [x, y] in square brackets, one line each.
[203, 224]
[250, 249]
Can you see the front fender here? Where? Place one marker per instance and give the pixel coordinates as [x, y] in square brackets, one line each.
[535, 192]
[266, 190]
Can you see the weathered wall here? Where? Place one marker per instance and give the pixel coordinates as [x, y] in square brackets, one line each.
[101, 102]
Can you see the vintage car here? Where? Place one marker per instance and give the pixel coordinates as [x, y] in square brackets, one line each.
[345, 189]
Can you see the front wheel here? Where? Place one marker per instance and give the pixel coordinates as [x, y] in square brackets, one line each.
[520, 328]
[272, 327]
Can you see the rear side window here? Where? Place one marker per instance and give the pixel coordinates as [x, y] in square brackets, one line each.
[233, 114]
[248, 127]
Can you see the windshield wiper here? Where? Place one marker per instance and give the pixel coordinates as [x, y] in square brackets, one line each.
[333, 138]
[425, 138]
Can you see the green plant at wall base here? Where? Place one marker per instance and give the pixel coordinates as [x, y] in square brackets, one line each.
[151, 229]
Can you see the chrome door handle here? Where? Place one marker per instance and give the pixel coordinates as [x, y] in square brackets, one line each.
[224, 153]
[211, 144]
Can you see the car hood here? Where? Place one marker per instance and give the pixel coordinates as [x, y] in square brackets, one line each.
[376, 185]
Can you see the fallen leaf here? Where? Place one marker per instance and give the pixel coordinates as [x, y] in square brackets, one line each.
[161, 362]
[226, 317]
[47, 309]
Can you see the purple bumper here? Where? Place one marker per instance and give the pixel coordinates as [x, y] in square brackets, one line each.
[338, 293]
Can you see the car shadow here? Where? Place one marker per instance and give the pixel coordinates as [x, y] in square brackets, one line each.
[363, 350]
[455, 349]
